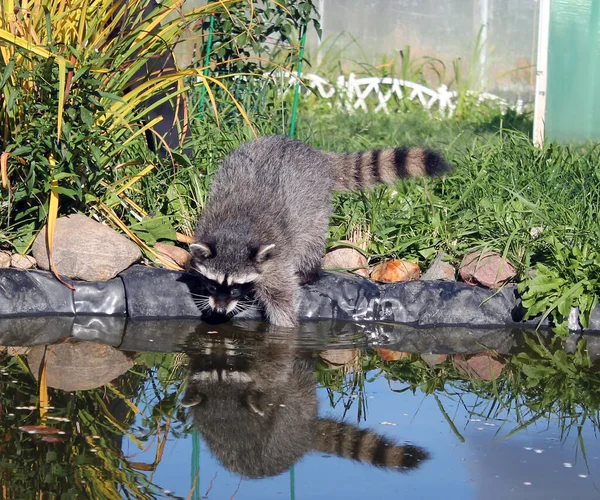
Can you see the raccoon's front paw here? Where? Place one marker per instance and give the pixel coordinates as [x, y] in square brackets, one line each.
[282, 317]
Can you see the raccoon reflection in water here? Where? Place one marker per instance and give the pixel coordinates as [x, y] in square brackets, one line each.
[264, 224]
[255, 404]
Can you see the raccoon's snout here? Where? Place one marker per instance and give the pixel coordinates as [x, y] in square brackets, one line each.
[221, 306]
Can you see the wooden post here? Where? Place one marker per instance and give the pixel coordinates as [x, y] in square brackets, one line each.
[541, 79]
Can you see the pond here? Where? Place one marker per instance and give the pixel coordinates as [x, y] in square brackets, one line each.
[181, 409]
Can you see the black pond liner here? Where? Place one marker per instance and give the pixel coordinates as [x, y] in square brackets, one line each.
[139, 294]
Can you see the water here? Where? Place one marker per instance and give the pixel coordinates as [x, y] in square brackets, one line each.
[492, 414]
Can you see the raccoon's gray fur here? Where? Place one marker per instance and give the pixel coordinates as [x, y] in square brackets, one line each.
[257, 412]
[267, 214]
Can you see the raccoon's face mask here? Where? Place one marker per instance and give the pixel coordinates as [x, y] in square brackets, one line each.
[226, 282]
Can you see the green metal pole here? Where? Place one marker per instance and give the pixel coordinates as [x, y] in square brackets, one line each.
[195, 465]
[292, 484]
[209, 43]
[297, 89]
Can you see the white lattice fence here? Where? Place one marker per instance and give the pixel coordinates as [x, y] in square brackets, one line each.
[375, 94]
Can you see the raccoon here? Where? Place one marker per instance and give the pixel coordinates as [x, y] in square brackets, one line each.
[265, 221]
[257, 411]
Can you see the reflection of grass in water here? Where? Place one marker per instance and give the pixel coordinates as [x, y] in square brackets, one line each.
[88, 462]
[545, 382]
[541, 383]
[346, 384]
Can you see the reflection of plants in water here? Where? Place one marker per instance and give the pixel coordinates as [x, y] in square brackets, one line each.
[345, 384]
[545, 382]
[75, 450]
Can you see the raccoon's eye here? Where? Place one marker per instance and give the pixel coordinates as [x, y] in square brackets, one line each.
[235, 293]
[211, 288]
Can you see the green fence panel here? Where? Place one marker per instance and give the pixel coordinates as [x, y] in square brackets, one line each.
[573, 100]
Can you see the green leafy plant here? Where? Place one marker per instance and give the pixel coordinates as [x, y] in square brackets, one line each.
[80, 84]
[249, 31]
[571, 278]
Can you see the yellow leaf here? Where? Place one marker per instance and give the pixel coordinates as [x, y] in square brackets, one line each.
[158, 19]
[43, 384]
[125, 399]
[62, 71]
[143, 129]
[51, 224]
[25, 44]
[4, 168]
[134, 179]
[43, 389]
[235, 101]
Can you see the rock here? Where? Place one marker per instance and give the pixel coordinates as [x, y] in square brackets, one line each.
[392, 271]
[22, 261]
[174, 254]
[346, 258]
[536, 232]
[85, 249]
[389, 355]
[338, 358]
[4, 260]
[480, 366]
[488, 269]
[78, 366]
[14, 350]
[440, 270]
[434, 359]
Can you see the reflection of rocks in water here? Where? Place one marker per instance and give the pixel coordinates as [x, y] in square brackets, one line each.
[254, 402]
[78, 366]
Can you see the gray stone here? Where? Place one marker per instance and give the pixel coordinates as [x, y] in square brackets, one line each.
[4, 260]
[78, 366]
[85, 249]
[440, 270]
[434, 359]
[338, 358]
[595, 319]
[346, 258]
[22, 262]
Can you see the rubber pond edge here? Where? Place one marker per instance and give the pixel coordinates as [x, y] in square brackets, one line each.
[143, 292]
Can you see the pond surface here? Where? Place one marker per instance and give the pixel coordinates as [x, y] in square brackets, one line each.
[339, 411]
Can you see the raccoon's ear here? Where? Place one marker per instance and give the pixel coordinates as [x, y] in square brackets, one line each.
[202, 250]
[254, 402]
[192, 397]
[264, 252]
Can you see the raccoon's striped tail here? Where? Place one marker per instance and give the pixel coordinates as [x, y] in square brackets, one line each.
[348, 441]
[353, 171]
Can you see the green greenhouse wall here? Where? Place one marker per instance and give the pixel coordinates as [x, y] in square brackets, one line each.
[573, 91]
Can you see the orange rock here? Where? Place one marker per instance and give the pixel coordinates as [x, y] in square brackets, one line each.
[172, 253]
[392, 271]
[389, 355]
[39, 429]
[480, 366]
